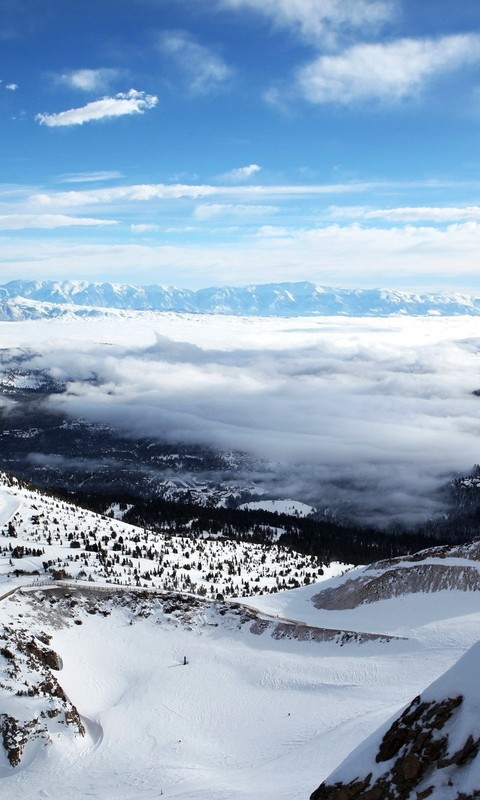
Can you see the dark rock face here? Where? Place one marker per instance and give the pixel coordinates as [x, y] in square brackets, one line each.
[415, 752]
[27, 661]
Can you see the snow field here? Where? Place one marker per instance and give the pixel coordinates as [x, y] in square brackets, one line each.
[247, 717]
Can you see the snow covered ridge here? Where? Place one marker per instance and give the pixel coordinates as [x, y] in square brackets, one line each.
[37, 299]
[437, 569]
[41, 537]
[430, 750]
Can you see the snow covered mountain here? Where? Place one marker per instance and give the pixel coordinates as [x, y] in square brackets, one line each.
[96, 698]
[36, 299]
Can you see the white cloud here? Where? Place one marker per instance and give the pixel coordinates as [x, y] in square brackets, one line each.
[384, 409]
[386, 72]
[88, 80]
[320, 21]
[204, 69]
[89, 177]
[409, 213]
[143, 228]
[413, 257]
[241, 173]
[137, 192]
[25, 221]
[12, 87]
[210, 210]
[166, 191]
[132, 102]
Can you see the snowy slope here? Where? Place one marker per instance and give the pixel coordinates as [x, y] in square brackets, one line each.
[41, 537]
[33, 299]
[270, 701]
[408, 596]
[250, 715]
[430, 750]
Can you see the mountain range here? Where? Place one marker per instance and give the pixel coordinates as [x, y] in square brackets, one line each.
[36, 299]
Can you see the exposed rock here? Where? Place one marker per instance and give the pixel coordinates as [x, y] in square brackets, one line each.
[27, 672]
[339, 791]
[397, 582]
[311, 633]
[13, 739]
[467, 753]
[47, 657]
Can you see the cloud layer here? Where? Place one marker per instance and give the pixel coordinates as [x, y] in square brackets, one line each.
[369, 417]
[14, 222]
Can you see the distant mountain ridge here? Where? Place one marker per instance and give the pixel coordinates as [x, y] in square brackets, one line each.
[36, 299]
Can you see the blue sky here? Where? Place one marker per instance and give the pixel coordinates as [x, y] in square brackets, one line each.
[239, 141]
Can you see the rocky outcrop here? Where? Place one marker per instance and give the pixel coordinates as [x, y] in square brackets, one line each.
[310, 633]
[436, 569]
[431, 749]
[36, 701]
[400, 580]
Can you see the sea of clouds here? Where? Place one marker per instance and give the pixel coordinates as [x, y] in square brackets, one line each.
[371, 417]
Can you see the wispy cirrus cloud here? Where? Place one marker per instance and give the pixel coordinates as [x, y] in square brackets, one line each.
[143, 227]
[146, 192]
[211, 210]
[388, 72]
[90, 177]
[320, 22]
[25, 221]
[408, 213]
[142, 192]
[203, 69]
[131, 102]
[88, 80]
